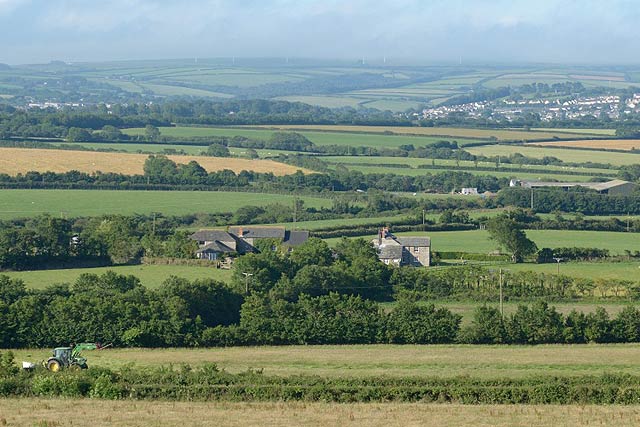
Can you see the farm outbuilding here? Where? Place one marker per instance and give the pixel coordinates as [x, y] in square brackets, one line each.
[616, 186]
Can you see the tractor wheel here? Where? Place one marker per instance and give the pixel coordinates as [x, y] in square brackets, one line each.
[54, 365]
[83, 366]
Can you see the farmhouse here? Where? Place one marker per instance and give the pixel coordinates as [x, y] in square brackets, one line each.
[616, 186]
[412, 251]
[214, 243]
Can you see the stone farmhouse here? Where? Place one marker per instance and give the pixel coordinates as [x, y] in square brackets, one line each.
[412, 251]
[213, 244]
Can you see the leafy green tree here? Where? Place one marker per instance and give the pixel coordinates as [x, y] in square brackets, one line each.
[410, 323]
[79, 135]
[151, 133]
[160, 169]
[218, 150]
[487, 327]
[538, 324]
[111, 133]
[508, 234]
[314, 251]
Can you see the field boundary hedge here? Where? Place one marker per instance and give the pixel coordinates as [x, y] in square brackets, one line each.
[207, 382]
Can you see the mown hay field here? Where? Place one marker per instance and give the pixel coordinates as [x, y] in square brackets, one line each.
[69, 412]
[377, 360]
[600, 144]
[500, 134]
[74, 203]
[21, 160]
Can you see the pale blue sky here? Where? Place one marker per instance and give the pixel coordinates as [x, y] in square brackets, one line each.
[426, 31]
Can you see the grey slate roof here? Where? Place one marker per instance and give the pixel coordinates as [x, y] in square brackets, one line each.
[259, 232]
[414, 241]
[296, 238]
[212, 235]
[598, 186]
[390, 252]
[215, 247]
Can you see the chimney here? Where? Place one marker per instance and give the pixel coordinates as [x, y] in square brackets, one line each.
[240, 232]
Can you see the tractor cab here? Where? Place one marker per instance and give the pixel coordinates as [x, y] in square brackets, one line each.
[63, 354]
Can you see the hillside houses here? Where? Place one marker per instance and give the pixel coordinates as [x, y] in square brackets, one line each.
[213, 244]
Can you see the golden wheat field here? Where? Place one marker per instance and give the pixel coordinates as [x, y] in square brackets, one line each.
[21, 160]
[99, 413]
[500, 134]
[603, 144]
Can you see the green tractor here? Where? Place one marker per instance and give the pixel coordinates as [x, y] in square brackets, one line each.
[68, 357]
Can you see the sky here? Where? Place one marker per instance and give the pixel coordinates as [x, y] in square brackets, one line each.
[417, 31]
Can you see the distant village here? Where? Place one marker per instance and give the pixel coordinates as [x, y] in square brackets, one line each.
[548, 109]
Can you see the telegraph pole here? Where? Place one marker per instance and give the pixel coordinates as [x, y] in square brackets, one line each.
[246, 282]
[501, 299]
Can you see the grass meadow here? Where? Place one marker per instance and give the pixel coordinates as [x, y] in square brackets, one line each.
[150, 276]
[73, 203]
[64, 412]
[370, 169]
[416, 162]
[599, 144]
[374, 360]
[374, 138]
[566, 154]
[448, 132]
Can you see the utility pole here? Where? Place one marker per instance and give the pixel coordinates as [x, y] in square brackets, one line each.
[532, 199]
[295, 210]
[246, 282]
[422, 219]
[558, 261]
[501, 299]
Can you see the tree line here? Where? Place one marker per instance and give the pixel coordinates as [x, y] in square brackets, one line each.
[118, 309]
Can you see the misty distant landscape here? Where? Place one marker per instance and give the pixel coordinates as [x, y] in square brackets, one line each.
[319, 213]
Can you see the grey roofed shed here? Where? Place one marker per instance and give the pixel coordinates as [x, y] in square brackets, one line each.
[259, 232]
[414, 241]
[390, 252]
[296, 238]
[215, 247]
[212, 236]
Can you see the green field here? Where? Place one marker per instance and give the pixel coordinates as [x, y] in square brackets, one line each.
[150, 276]
[142, 147]
[479, 361]
[73, 203]
[564, 154]
[606, 132]
[416, 162]
[424, 171]
[317, 137]
[477, 241]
